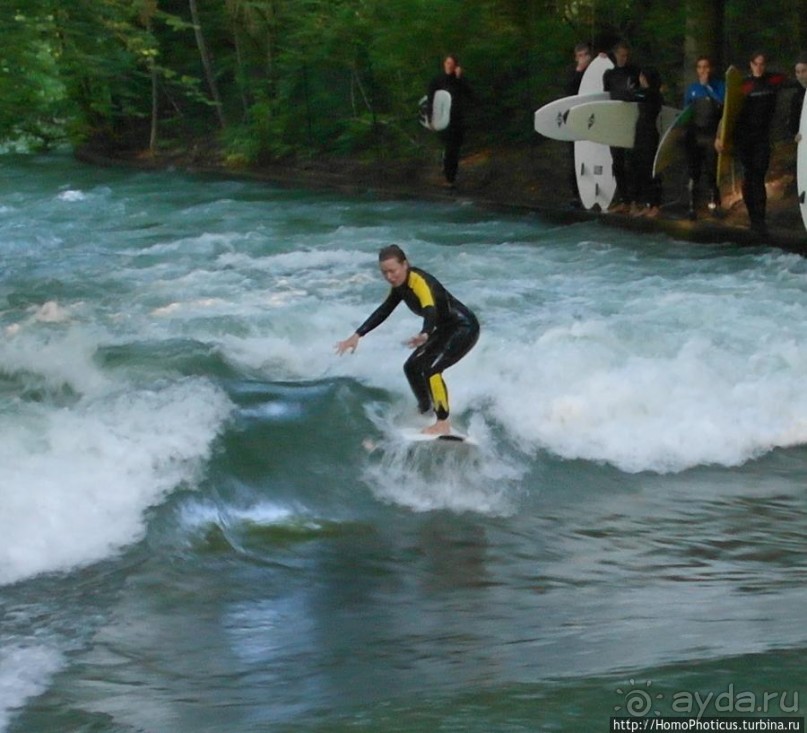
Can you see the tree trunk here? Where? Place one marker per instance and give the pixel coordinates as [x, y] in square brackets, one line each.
[704, 33]
[802, 29]
[206, 63]
[155, 108]
[241, 74]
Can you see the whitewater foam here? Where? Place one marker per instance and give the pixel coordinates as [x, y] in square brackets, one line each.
[428, 476]
[64, 358]
[25, 671]
[72, 196]
[589, 353]
[77, 480]
[627, 353]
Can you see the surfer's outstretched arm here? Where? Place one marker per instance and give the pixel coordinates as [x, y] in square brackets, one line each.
[377, 317]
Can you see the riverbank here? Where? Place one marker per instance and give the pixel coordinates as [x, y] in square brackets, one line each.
[499, 178]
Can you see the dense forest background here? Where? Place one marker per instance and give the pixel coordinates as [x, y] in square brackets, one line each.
[277, 79]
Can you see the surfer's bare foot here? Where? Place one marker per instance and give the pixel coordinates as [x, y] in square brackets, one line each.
[441, 427]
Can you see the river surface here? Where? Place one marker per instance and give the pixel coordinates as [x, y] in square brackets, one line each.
[196, 536]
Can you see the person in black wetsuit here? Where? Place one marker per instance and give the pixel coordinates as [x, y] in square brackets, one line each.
[706, 96]
[646, 188]
[752, 136]
[797, 101]
[621, 80]
[452, 81]
[644, 191]
[582, 58]
[449, 331]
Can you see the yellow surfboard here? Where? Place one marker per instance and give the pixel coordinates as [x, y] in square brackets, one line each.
[731, 108]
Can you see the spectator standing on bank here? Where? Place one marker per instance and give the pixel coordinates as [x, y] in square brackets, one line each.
[752, 134]
[621, 81]
[644, 191]
[797, 101]
[706, 96]
[452, 81]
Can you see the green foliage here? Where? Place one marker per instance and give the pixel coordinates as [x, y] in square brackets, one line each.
[305, 77]
[32, 96]
[772, 27]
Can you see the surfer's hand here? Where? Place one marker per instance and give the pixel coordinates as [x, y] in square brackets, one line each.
[798, 137]
[348, 344]
[718, 145]
[417, 341]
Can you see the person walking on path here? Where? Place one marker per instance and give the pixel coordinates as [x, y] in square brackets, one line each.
[452, 81]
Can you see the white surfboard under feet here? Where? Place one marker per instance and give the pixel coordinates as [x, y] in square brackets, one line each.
[416, 435]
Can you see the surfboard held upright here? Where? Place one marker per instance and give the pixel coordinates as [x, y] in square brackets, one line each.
[801, 163]
[593, 163]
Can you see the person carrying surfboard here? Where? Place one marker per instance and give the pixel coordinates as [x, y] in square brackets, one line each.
[643, 190]
[752, 136]
[706, 96]
[449, 332]
[452, 81]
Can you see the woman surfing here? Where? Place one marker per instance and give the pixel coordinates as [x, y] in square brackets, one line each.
[449, 332]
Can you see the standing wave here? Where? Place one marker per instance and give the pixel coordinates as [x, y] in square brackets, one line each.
[83, 457]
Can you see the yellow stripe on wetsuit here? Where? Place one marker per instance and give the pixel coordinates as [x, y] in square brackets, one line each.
[418, 285]
[437, 386]
[439, 392]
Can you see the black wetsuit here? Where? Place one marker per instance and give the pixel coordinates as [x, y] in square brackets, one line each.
[454, 135]
[707, 102]
[620, 81]
[452, 331]
[752, 140]
[796, 105]
[641, 187]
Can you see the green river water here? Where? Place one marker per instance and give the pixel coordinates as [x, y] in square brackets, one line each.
[194, 538]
